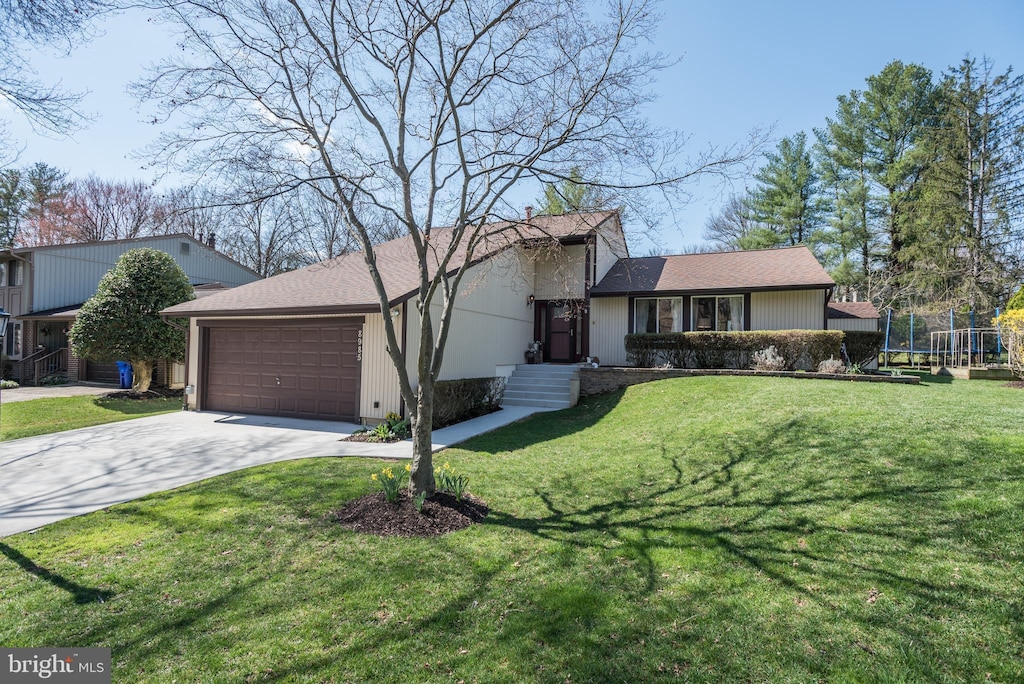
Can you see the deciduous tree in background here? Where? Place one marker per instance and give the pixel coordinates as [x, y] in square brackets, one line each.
[421, 115]
[122, 320]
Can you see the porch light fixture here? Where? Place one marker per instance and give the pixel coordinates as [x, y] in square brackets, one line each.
[530, 300]
[5, 318]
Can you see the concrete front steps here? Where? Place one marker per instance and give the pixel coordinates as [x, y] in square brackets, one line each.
[544, 385]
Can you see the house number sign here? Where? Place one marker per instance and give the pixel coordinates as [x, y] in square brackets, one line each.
[359, 346]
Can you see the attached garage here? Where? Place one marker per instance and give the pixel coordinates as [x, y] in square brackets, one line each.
[307, 368]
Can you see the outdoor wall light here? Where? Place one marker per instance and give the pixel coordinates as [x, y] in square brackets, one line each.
[395, 313]
[530, 300]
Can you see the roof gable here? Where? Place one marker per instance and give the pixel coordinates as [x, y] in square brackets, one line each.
[852, 310]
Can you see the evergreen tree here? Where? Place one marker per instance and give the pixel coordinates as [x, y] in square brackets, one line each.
[899, 108]
[973, 191]
[571, 195]
[787, 194]
[122, 320]
[12, 206]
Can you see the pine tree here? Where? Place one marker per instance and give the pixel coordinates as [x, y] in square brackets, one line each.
[787, 194]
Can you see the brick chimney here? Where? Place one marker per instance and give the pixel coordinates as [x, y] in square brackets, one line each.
[211, 240]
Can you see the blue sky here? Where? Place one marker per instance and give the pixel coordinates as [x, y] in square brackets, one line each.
[744, 64]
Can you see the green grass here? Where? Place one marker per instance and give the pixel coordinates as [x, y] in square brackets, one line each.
[703, 529]
[43, 416]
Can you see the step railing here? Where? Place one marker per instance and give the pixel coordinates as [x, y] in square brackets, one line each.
[54, 362]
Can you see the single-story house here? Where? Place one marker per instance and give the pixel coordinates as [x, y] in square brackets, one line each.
[311, 342]
[44, 287]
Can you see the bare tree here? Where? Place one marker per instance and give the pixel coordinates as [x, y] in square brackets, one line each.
[57, 24]
[99, 210]
[422, 114]
[263, 235]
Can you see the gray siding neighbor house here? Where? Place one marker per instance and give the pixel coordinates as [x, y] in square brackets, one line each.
[310, 343]
[43, 288]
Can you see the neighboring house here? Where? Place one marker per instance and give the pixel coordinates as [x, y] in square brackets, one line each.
[44, 287]
[311, 343]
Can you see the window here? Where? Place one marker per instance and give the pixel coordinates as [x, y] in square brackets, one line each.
[15, 273]
[13, 339]
[3, 273]
[718, 313]
[661, 315]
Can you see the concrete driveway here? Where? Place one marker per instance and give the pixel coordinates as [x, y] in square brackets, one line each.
[56, 476]
[51, 477]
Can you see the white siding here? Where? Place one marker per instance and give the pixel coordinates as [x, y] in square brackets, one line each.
[609, 323]
[853, 324]
[64, 276]
[787, 310]
[192, 363]
[559, 274]
[379, 379]
[607, 255]
[491, 323]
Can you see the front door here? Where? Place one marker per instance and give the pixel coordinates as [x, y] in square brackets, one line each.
[561, 342]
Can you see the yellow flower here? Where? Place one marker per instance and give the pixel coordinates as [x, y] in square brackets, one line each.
[408, 468]
[374, 477]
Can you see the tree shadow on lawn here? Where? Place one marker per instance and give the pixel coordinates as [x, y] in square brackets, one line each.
[81, 594]
[827, 538]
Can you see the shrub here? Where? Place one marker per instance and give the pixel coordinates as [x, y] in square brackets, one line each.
[768, 360]
[1016, 301]
[863, 346]
[9, 384]
[803, 349]
[832, 365]
[459, 400]
[1011, 325]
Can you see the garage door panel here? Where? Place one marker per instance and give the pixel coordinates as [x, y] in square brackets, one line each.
[301, 371]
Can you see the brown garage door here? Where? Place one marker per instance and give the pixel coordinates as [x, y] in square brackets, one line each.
[102, 372]
[307, 370]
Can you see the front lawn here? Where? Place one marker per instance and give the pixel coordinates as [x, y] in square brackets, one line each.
[43, 416]
[702, 529]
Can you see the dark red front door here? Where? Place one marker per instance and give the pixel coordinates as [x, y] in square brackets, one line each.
[561, 345]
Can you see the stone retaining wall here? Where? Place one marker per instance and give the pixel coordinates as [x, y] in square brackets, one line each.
[601, 380]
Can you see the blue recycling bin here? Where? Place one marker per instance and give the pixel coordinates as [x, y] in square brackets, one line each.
[125, 369]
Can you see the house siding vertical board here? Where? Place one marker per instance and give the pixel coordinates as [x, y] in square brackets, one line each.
[65, 276]
[480, 338]
[560, 276]
[380, 379]
[787, 310]
[607, 255]
[609, 324]
[192, 363]
[870, 324]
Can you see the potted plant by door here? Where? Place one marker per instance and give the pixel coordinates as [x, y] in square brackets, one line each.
[533, 354]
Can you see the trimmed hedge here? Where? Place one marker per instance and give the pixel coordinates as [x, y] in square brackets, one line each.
[863, 346]
[459, 400]
[801, 349]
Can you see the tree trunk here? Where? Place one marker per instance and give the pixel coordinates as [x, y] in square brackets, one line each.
[421, 478]
[142, 375]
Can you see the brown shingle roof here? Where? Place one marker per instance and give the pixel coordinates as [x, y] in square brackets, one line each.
[344, 284]
[852, 310]
[766, 269]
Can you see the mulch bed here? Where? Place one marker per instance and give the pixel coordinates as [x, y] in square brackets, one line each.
[372, 514]
[152, 393]
[366, 437]
[1016, 384]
